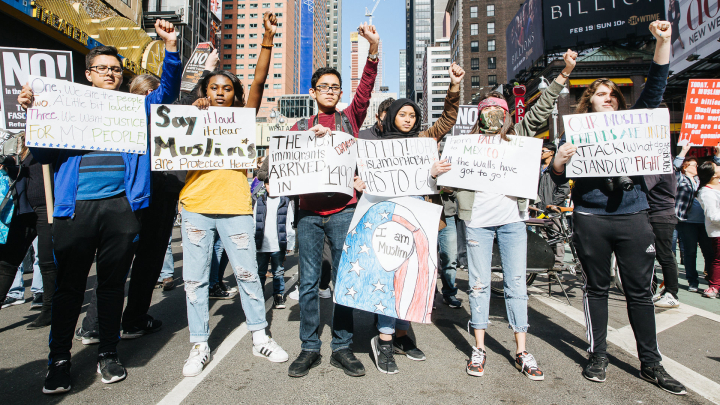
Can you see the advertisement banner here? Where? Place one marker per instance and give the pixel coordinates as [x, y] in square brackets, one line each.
[195, 66]
[701, 118]
[188, 138]
[17, 65]
[467, 117]
[695, 30]
[307, 13]
[524, 38]
[216, 8]
[519, 92]
[568, 24]
[619, 143]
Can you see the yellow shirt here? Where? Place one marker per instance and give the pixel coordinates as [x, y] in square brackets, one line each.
[217, 192]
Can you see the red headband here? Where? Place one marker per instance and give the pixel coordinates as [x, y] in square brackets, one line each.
[493, 102]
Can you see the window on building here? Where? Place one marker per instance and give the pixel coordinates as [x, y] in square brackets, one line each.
[491, 44]
[227, 67]
[227, 36]
[491, 28]
[475, 82]
[253, 5]
[438, 107]
[436, 115]
[240, 56]
[278, 45]
[277, 66]
[266, 5]
[239, 66]
[240, 36]
[491, 10]
[228, 6]
[475, 64]
[252, 56]
[474, 46]
[252, 46]
[240, 76]
[227, 46]
[251, 75]
[240, 26]
[278, 15]
[277, 55]
[277, 75]
[252, 66]
[241, 6]
[228, 16]
[277, 35]
[492, 80]
[240, 46]
[473, 12]
[474, 29]
[253, 25]
[227, 26]
[227, 56]
[278, 4]
[266, 86]
[277, 86]
[241, 16]
[253, 15]
[492, 62]
[271, 99]
[251, 36]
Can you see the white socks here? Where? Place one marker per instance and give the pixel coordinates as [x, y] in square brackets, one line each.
[259, 337]
[202, 345]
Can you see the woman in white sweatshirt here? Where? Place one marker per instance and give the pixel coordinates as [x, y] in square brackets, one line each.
[709, 197]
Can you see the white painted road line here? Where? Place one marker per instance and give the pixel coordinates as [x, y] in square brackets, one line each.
[624, 339]
[188, 384]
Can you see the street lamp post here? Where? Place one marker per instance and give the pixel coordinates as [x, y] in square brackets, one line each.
[544, 84]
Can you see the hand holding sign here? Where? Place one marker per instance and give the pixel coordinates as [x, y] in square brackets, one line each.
[563, 156]
[26, 96]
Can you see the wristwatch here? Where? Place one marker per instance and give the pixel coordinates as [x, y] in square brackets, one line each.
[373, 57]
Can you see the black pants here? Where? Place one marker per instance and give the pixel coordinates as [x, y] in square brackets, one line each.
[157, 226]
[632, 240]
[665, 252]
[109, 229]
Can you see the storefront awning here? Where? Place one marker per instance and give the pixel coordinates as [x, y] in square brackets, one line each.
[620, 81]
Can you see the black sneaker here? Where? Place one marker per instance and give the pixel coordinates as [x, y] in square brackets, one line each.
[217, 293]
[596, 368]
[405, 345]
[58, 379]
[346, 360]
[37, 301]
[10, 301]
[42, 321]
[383, 354]
[87, 337]
[143, 328]
[279, 301]
[658, 375]
[452, 302]
[302, 365]
[110, 368]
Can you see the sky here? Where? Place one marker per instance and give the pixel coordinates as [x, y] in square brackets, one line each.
[389, 19]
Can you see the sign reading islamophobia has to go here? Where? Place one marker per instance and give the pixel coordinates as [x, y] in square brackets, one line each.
[302, 163]
[68, 115]
[619, 143]
[397, 167]
[187, 138]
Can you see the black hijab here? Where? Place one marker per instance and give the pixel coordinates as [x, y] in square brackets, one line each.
[390, 131]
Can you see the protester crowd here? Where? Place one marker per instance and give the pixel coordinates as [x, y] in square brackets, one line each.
[111, 209]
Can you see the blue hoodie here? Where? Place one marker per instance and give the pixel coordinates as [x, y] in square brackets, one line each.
[66, 162]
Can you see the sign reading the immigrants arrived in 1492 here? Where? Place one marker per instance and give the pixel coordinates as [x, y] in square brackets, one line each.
[67, 115]
[487, 163]
[187, 138]
[301, 163]
[524, 38]
[619, 143]
[397, 167]
[569, 24]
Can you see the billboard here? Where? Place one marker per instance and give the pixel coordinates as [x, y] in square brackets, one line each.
[590, 22]
[524, 38]
[216, 8]
[695, 30]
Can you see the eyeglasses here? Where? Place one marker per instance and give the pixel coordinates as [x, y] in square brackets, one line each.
[324, 88]
[102, 69]
[546, 150]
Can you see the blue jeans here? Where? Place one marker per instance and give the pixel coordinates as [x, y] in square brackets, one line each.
[693, 235]
[275, 259]
[219, 262]
[237, 231]
[168, 268]
[512, 240]
[447, 241]
[387, 324]
[312, 230]
[17, 290]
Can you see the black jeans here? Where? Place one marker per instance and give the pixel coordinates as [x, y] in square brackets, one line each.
[631, 238]
[109, 229]
[693, 235]
[157, 226]
[665, 252]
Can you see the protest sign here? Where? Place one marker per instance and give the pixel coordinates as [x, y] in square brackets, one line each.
[68, 115]
[389, 261]
[397, 167]
[467, 117]
[195, 66]
[185, 137]
[487, 163]
[17, 64]
[701, 118]
[619, 143]
[301, 163]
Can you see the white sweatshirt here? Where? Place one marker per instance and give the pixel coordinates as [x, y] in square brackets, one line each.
[710, 200]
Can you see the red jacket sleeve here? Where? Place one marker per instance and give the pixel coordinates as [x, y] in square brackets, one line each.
[357, 110]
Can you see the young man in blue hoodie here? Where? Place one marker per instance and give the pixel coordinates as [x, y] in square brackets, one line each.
[98, 198]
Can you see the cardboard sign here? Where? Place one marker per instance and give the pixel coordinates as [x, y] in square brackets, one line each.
[17, 64]
[467, 117]
[187, 138]
[619, 143]
[195, 67]
[397, 167]
[701, 118]
[68, 115]
[389, 261]
[487, 163]
[301, 163]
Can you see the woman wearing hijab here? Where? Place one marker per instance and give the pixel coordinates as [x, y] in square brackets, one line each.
[402, 120]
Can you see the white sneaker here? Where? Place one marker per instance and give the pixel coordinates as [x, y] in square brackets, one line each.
[271, 351]
[199, 356]
[325, 293]
[667, 301]
[658, 294]
[294, 294]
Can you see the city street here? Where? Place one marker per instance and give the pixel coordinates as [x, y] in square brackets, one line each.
[688, 339]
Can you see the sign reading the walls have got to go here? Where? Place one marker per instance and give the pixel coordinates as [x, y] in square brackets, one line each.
[187, 138]
[67, 115]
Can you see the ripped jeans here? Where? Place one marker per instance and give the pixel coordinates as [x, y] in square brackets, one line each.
[237, 233]
[512, 240]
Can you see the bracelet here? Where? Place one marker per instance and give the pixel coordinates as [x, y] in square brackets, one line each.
[267, 46]
[565, 75]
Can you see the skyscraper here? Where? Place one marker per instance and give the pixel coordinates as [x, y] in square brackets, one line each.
[436, 81]
[334, 34]
[358, 57]
[418, 28]
[403, 74]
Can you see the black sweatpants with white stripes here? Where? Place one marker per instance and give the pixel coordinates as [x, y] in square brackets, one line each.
[632, 240]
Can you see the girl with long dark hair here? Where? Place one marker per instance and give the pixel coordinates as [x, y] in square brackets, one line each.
[709, 197]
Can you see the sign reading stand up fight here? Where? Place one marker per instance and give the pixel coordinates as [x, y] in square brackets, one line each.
[301, 163]
[619, 143]
[187, 138]
[68, 115]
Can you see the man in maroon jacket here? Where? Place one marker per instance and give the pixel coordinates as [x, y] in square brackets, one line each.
[324, 215]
